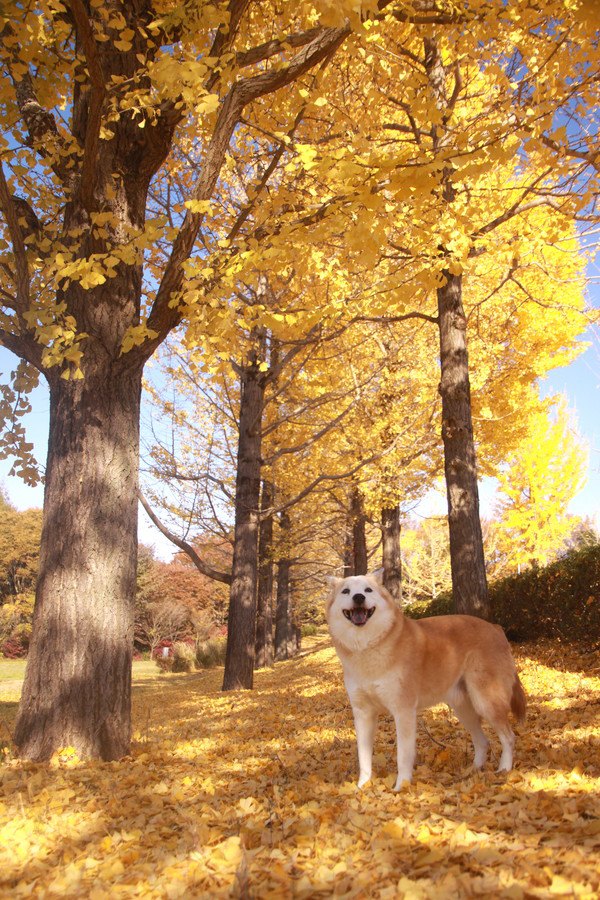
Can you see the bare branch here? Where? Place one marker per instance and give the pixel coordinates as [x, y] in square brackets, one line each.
[391, 320]
[272, 48]
[203, 568]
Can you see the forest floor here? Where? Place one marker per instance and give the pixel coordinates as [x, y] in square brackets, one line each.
[253, 795]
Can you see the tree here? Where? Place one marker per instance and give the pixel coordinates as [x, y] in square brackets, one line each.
[79, 310]
[390, 551]
[19, 554]
[426, 560]
[536, 485]
[162, 620]
[265, 651]
[19, 550]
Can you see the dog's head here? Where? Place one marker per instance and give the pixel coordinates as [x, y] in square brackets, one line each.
[360, 611]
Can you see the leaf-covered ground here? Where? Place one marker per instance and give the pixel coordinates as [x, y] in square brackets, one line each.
[253, 795]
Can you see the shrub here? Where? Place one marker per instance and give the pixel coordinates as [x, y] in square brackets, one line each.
[561, 600]
[441, 606]
[211, 653]
[309, 630]
[14, 648]
[164, 663]
[183, 657]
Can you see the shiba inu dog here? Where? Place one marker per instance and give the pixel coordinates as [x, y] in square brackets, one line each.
[398, 665]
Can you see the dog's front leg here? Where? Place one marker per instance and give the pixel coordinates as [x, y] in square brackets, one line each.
[406, 740]
[365, 722]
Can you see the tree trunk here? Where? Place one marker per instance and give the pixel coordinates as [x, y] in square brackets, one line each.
[469, 582]
[264, 613]
[348, 550]
[283, 622]
[77, 689]
[392, 565]
[241, 623]
[359, 537]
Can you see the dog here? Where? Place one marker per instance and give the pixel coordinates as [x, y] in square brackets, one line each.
[399, 665]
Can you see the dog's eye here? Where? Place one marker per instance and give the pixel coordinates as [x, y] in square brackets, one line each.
[368, 590]
[346, 591]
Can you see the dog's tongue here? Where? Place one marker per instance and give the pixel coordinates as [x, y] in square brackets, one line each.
[358, 615]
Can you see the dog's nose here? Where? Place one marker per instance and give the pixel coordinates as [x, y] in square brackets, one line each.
[358, 599]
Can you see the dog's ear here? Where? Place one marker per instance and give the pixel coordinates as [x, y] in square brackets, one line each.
[377, 575]
[333, 582]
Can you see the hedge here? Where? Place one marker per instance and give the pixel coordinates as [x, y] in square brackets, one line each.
[561, 600]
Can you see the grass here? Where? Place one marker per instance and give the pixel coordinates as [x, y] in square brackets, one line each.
[12, 670]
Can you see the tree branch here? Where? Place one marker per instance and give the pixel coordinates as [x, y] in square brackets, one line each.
[43, 131]
[96, 100]
[203, 568]
[272, 48]
[23, 347]
[166, 314]
[11, 216]
[391, 320]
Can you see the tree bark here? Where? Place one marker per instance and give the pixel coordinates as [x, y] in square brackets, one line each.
[469, 582]
[77, 689]
[348, 550]
[359, 537]
[283, 623]
[264, 613]
[241, 626]
[392, 565]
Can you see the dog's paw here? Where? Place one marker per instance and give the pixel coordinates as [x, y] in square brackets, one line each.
[364, 779]
[402, 782]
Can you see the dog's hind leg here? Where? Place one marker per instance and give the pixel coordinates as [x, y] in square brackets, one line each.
[365, 723]
[471, 720]
[492, 701]
[507, 740]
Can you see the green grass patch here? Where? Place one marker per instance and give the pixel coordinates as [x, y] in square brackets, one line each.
[12, 670]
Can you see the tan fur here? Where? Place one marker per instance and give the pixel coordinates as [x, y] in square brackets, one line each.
[399, 665]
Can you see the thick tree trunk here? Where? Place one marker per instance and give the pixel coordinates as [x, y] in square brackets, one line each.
[264, 612]
[78, 679]
[469, 582]
[392, 565]
[241, 623]
[283, 623]
[359, 537]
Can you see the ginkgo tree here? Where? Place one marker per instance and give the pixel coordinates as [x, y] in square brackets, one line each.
[536, 485]
[446, 174]
[98, 94]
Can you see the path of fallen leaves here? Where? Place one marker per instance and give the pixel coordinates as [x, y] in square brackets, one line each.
[252, 794]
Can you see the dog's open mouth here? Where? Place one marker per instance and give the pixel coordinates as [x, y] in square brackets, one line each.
[358, 615]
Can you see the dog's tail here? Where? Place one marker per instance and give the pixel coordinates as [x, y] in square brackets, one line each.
[518, 700]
